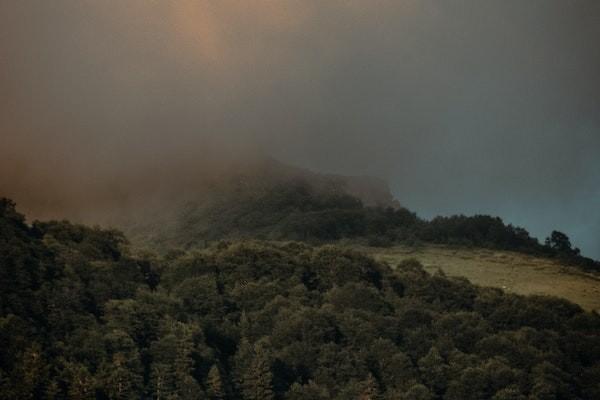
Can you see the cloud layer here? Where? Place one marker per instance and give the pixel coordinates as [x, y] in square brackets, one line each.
[464, 106]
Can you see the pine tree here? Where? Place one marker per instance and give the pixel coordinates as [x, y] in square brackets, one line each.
[189, 389]
[187, 386]
[162, 378]
[417, 392]
[371, 390]
[241, 363]
[258, 380]
[214, 382]
[172, 366]
[434, 370]
[33, 373]
[82, 383]
[244, 325]
[120, 378]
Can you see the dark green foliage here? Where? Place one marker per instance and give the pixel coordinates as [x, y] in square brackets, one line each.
[296, 210]
[257, 379]
[560, 243]
[293, 210]
[215, 385]
[258, 320]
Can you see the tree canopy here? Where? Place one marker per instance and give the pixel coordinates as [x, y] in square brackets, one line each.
[82, 317]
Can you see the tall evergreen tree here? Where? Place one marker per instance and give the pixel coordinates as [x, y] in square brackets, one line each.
[371, 389]
[214, 382]
[82, 382]
[434, 371]
[162, 381]
[258, 380]
[120, 380]
[172, 367]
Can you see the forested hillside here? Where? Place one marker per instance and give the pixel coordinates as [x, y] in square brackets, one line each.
[85, 317]
[299, 209]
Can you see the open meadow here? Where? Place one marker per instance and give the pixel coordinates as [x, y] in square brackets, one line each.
[511, 271]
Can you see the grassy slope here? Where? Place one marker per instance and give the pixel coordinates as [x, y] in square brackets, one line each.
[511, 271]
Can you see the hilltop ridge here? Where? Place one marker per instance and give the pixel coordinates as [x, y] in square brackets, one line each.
[266, 199]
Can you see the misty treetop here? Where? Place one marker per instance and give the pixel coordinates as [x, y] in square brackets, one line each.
[296, 209]
[85, 317]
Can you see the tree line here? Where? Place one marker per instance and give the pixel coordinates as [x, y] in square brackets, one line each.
[294, 210]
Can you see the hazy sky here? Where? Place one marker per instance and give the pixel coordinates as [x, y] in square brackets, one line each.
[463, 106]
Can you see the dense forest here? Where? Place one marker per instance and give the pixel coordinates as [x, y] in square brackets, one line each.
[295, 210]
[85, 316]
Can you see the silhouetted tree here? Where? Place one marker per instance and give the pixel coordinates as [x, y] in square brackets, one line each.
[560, 243]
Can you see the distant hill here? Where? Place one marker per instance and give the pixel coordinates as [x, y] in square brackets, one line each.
[268, 172]
[194, 203]
[257, 198]
[266, 199]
